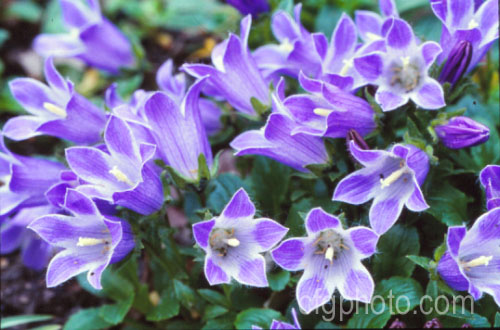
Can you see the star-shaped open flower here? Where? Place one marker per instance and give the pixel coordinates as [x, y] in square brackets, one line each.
[331, 258]
[490, 179]
[391, 178]
[472, 261]
[234, 242]
[401, 72]
[89, 241]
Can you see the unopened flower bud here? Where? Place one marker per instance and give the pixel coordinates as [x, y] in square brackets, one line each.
[461, 132]
[353, 135]
[457, 63]
[397, 324]
[434, 323]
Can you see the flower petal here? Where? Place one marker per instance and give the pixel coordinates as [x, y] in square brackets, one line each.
[317, 220]
[312, 293]
[368, 23]
[400, 35]
[253, 272]
[215, 274]
[389, 100]
[430, 51]
[201, 232]
[364, 240]
[369, 66]
[430, 95]
[450, 272]
[416, 202]
[384, 213]
[120, 142]
[267, 233]
[80, 204]
[358, 285]
[240, 206]
[357, 188]
[344, 37]
[290, 254]
[22, 127]
[455, 236]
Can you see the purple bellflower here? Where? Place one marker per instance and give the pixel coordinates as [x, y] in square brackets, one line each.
[234, 242]
[331, 258]
[252, 7]
[89, 240]
[14, 234]
[490, 179]
[457, 63]
[179, 132]
[391, 178]
[276, 324]
[472, 261]
[370, 25]
[124, 175]
[298, 49]
[91, 38]
[233, 75]
[24, 180]
[461, 132]
[401, 72]
[56, 110]
[463, 22]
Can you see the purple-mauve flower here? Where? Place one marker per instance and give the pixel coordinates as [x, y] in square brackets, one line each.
[55, 109]
[391, 178]
[370, 25]
[24, 180]
[401, 73]
[178, 130]
[124, 175]
[461, 132]
[457, 63]
[472, 261]
[331, 259]
[234, 242]
[353, 135]
[89, 240]
[463, 21]
[14, 234]
[277, 324]
[234, 75]
[276, 140]
[490, 179]
[298, 49]
[253, 7]
[91, 38]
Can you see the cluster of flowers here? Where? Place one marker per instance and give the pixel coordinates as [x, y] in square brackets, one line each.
[73, 209]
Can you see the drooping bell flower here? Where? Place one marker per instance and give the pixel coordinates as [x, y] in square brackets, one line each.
[472, 261]
[401, 73]
[490, 179]
[179, 132]
[457, 63]
[331, 259]
[461, 132]
[463, 21]
[253, 7]
[91, 38]
[277, 324]
[89, 240]
[391, 178]
[124, 175]
[370, 25]
[234, 241]
[234, 75]
[55, 109]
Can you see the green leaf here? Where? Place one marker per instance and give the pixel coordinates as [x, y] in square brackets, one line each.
[12, 321]
[326, 325]
[423, 262]
[115, 314]
[497, 320]
[448, 204]
[167, 308]
[4, 36]
[401, 294]
[214, 297]
[184, 294]
[86, 319]
[393, 247]
[25, 10]
[259, 107]
[459, 316]
[48, 327]
[214, 311]
[256, 316]
[221, 189]
[220, 323]
[375, 317]
[203, 170]
[279, 280]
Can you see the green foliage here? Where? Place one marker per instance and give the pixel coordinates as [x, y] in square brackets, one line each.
[255, 316]
[13, 321]
[448, 204]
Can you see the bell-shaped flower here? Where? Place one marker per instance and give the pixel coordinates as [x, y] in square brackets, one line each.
[331, 259]
[490, 179]
[370, 25]
[55, 109]
[461, 132]
[401, 73]
[234, 75]
[391, 178]
[91, 38]
[463, 21]
[124, 175]
[472, 261]
[89, 240]
[234, 241]
[24, 180]
[252, 7]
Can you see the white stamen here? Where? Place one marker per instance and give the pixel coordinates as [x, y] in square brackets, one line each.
[373, 37]
[286, 46]
[480, 261]
[74, 33]
[393, 177]
[329, 254]
[406, 61]
[54, 109]
[234, 242]
[120, 176]
[472, 24]
[347, 65]
[322, 112]
[89, 241]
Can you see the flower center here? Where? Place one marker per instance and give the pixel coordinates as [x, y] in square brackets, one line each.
[222, 239]
[479, 261]
[120, 176]
[90, 241]
[472, 24]
[347, 65]
[54, 109]
[394, 176]
[373, 37]
[330, 244]
[286, 46]
[405, 74]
